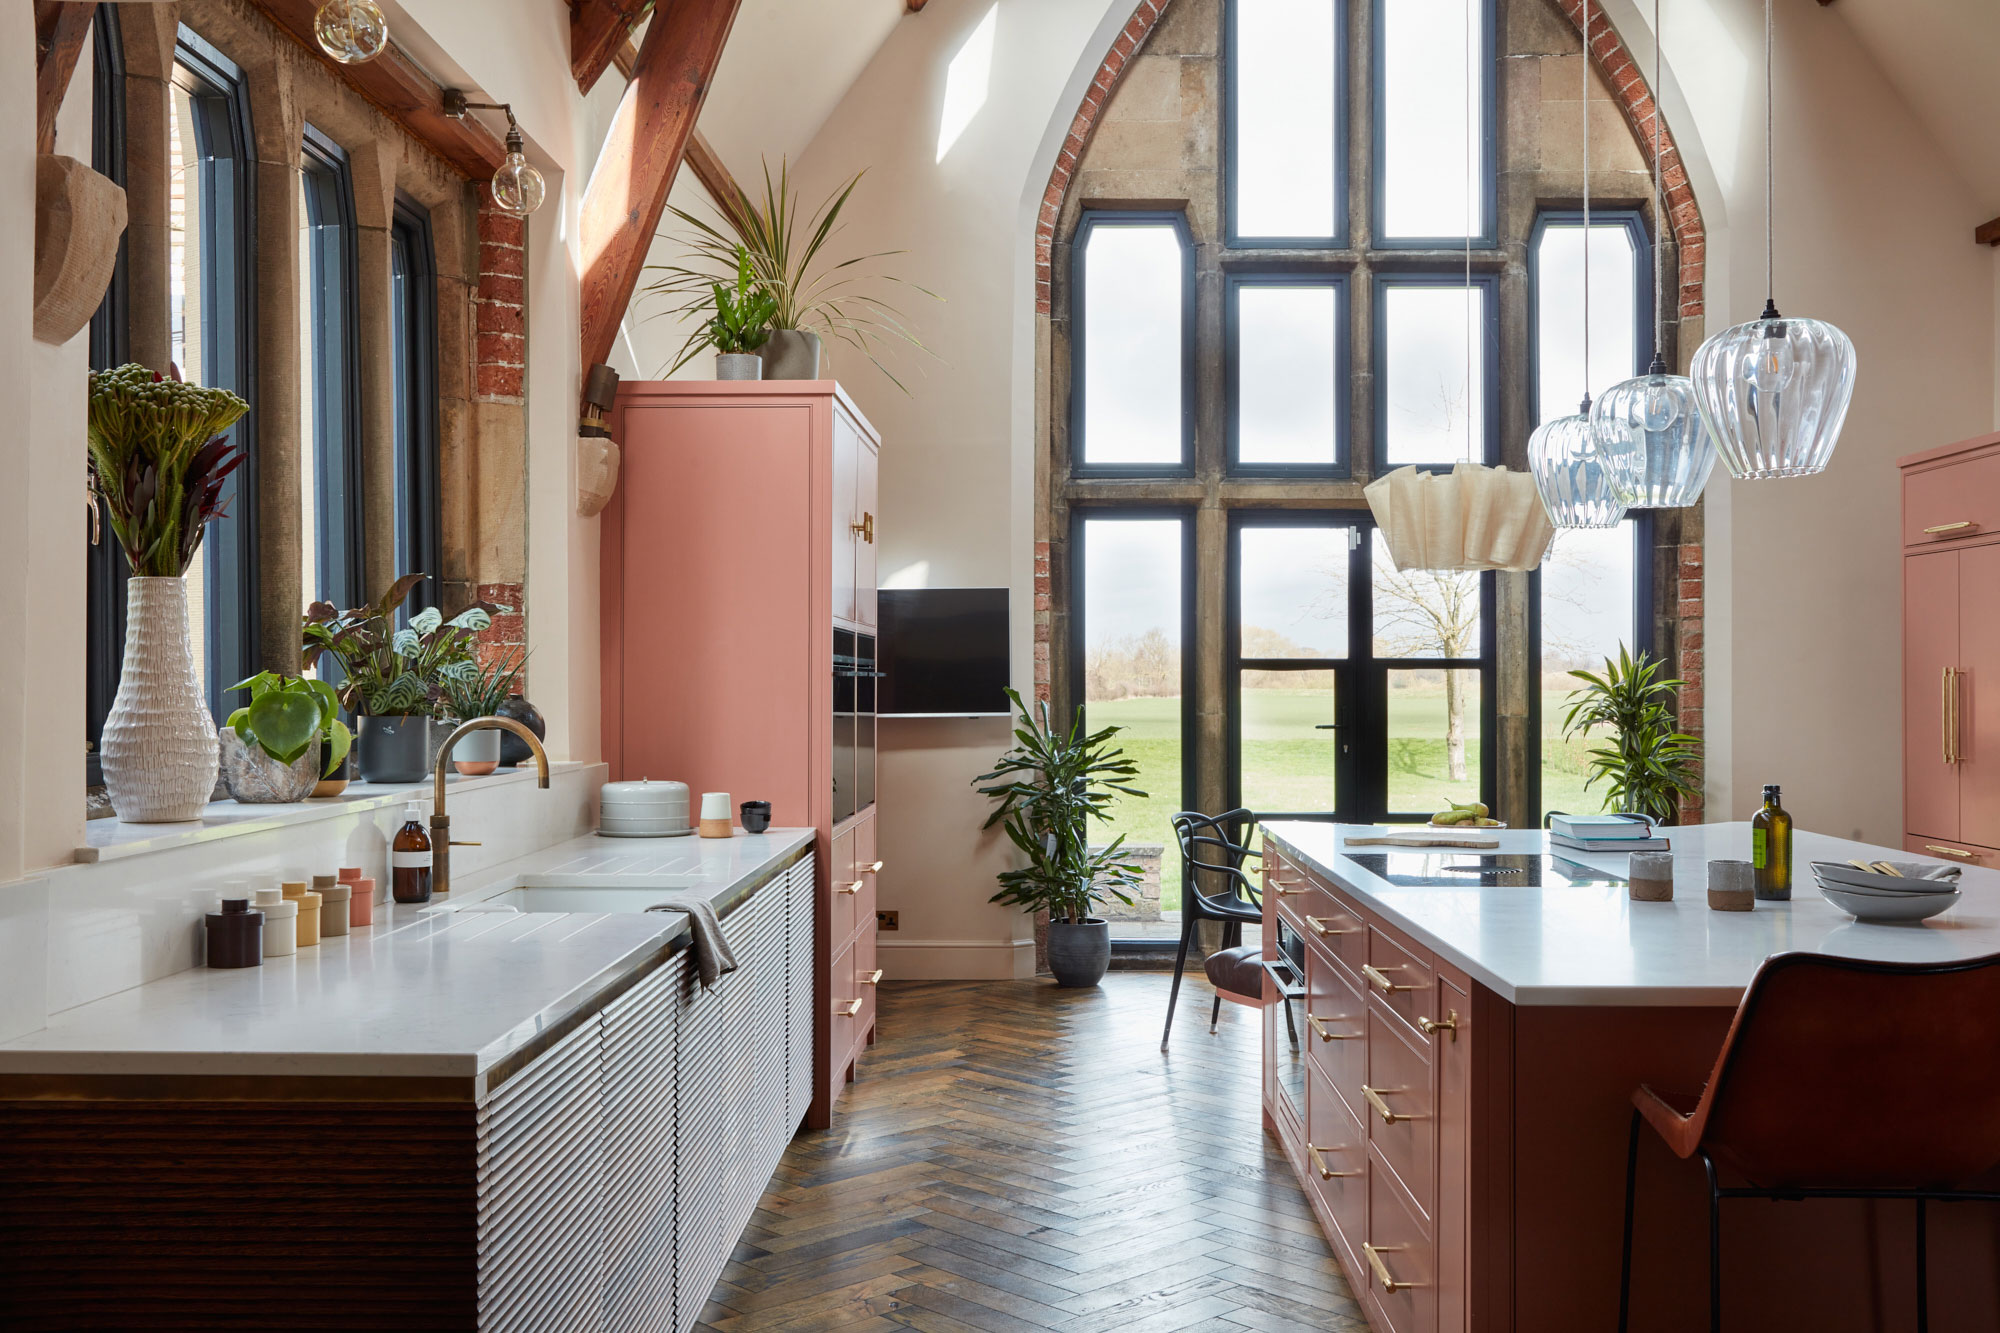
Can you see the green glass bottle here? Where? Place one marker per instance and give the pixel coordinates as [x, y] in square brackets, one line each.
[1771, 848]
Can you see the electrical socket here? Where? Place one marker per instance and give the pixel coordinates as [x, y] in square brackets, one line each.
[888, 921]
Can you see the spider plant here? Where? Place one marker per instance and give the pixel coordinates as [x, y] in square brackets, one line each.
[1050, 786]
[481, 694]
[813, 292]
[1647, 764]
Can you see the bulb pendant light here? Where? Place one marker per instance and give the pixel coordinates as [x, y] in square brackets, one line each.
[1774, 392]
[351, 31]
[1654, 417]
[517, 187]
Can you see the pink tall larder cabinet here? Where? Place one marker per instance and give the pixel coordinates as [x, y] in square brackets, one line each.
[738, 557]
[1951, 651]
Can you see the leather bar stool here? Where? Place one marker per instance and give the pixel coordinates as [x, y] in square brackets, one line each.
[1782, 1110]
[1214, 887]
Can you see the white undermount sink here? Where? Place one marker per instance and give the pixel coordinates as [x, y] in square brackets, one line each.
[571, 898]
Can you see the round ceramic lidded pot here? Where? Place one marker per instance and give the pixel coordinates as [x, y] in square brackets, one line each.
[643, 809]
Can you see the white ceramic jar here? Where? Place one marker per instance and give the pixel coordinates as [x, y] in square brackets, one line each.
[643, 809]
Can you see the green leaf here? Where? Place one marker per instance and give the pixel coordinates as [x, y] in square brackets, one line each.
[284, 722]
[338, 741]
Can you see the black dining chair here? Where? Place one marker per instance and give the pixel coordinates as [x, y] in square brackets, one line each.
[1214, 887]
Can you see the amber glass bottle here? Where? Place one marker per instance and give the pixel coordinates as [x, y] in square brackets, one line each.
[1771, 848]
[410, 859]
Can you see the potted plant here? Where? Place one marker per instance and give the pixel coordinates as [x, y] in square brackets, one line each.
[815, 296]
[1647, 764]
[483, 694]
[394, 678]
[1050, 787]
[740, 325]
[159, 466]
[273, 748]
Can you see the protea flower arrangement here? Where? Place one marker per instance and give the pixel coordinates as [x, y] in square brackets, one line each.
[158, 464]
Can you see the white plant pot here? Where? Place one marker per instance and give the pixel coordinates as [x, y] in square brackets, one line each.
[739, 366]
[159, 749]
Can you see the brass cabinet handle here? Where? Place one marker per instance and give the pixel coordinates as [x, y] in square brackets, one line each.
[848, 1010]
[855, 887]
[1381, 980]
[1318, 1024]
[1944, 721]
[1433, 1026]
[875, 869]
[871, 979]
[1952, 527]
[1389, 1284]
[866, 527]
[1286, 888]
[1381, 1107]
[1319, 1163]
[1957, 751]
[1322, 929]
[1951, 851]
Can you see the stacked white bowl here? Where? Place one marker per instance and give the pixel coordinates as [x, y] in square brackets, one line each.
[643, 809]
[1888, 890]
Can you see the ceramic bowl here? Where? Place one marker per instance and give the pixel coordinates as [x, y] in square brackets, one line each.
[1889, 906]
[1914, 879]
[1472, 823]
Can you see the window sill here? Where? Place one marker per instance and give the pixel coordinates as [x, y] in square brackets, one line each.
[114, 839]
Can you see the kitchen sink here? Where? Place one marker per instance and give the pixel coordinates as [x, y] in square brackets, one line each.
[573, 898]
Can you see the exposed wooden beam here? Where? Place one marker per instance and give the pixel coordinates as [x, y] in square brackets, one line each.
[628, 187]
[598, 29]
[1988, 233]
[407, 95]
[710, 171]
[60, 32]
[628, 56]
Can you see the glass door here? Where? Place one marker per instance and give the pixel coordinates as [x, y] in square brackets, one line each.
[1292, 600]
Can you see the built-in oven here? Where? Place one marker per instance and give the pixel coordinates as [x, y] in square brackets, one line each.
[846, 670]
[866, 677]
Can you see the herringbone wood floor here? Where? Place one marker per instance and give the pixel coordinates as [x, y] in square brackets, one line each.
[1018, 1158]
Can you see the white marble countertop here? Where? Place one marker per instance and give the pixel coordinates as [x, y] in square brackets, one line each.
[1592, 945]
[431, 991]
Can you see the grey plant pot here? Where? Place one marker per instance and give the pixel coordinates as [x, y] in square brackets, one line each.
[1079, 954]
[738, 366]
[791, 354]
[393, 749]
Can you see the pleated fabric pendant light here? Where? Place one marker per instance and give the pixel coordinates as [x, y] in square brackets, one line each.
[1654, 416]
[1774, 392]
[1583, 484]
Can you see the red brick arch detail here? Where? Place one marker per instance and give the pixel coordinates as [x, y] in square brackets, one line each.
[1620, 71]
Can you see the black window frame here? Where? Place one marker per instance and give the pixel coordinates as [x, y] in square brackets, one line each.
[1232, 237]
[221, 100]
[1489, 342]
[1489, 139]
[1644, 528]
[419, 516]
[1233, 283]
[340, 530]
[1087, 224]
[106, 570]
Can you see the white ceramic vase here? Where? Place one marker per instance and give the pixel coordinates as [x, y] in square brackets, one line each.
[159, 750]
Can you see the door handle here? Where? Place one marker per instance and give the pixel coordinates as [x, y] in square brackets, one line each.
[1326, 726]
[865, 529]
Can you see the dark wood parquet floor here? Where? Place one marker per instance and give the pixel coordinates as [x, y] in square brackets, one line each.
[1018, 1158]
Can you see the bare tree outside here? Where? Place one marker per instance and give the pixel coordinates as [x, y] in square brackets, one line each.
[1428, 613]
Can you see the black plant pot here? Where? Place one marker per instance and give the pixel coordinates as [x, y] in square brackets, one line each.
[393, 749]
[1079, 952]
[514, 750]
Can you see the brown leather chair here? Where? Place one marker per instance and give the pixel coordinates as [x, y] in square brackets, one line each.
[1805, 1025]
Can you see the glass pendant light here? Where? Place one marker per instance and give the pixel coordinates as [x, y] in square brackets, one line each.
[517, 187]
[1654, 417]
[351, 31]
[1774, 392]
[1583, 483]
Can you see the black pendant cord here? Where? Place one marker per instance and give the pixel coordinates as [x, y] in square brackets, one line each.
[1660, 224]
[1585, 409]
[1770, 172]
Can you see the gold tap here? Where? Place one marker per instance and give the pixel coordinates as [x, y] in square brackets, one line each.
[441, 843]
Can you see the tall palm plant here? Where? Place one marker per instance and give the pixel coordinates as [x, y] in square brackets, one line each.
[788, 258]
[1647, 763]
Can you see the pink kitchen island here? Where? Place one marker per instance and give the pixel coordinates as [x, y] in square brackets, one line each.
[1457, 1104]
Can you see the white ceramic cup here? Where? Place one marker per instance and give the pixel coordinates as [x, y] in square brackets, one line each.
[715, 805]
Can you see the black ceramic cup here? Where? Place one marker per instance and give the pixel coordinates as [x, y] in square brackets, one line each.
[756, 816]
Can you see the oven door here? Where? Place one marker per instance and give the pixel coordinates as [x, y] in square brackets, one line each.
[844, 681]
[865, 678]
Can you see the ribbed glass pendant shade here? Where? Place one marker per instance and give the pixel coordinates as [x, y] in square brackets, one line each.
[1774, 393]
[1583, 484]
[1654, 418]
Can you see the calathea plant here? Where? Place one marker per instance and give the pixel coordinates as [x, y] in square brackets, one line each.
[1647, 763]
[1051, 787]
[394, 672]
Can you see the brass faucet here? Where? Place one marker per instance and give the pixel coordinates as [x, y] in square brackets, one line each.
[441, 843]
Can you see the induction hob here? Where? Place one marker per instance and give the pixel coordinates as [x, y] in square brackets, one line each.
[1525, 870]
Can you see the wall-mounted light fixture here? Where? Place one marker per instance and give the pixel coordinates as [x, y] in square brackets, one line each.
[351, 31]
[517, 187]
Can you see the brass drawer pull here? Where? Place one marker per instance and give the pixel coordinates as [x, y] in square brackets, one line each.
[875, 869]
[1959, 526]
[855, 887]
[1322, 929]
[1433, 1026]
[1381, 980]
[848, 1010]
[1381, 1107]
[1945, 727]
[1389, 1284]
[1319, 1163]
[1286, 888]
[872, 979]
[1951, 851]
[1318, 1024]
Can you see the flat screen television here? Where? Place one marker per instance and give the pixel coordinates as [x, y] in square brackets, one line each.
[942, 651]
